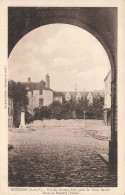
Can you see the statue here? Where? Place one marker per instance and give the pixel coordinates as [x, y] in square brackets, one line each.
[22, 122]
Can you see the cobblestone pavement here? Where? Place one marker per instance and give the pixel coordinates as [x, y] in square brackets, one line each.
[98, 129]
[58, 156]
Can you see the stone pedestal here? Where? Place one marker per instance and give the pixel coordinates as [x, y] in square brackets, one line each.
[22, 123]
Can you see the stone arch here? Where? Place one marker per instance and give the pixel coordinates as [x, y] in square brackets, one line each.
[82, 25]
[75, 19]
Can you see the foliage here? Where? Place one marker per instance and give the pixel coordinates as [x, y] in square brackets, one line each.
[80, 107]
[18, 93]
[95, 111]
[71, 110]
[28, 117]
[65, 110]
[42, 113]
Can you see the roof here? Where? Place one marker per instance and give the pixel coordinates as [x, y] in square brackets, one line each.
[58, 94]
[83, 94]
[35, 85]
[42, 86]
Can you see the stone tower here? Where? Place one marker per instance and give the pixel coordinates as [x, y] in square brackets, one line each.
[47, 81]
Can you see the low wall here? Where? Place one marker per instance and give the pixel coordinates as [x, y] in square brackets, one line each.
[66, 123]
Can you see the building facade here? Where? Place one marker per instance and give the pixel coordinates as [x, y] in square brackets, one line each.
[40, 94]
[107, 99]
[10, 113]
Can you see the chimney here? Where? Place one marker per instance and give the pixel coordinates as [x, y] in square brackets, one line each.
[29, 80]
[47, 80]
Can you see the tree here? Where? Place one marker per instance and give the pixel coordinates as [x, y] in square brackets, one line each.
[41, 113]
[28, 117]
[95, 111]
[80, 107]
[67, 108]
[17, 91]
[98, 107]
[55, 108]
[71, 109]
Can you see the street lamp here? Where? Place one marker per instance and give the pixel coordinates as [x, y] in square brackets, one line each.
[84, 117]
[84, 114]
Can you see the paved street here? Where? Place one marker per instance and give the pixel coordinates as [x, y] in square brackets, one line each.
[57, 156]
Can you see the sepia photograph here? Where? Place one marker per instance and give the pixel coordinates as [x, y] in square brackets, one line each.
[62, 97]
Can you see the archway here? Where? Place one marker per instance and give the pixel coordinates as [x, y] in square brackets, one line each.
[80, 17]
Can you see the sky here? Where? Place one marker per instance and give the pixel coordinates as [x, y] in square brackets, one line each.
[72, 56]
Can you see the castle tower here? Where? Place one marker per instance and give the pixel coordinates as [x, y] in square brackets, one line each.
[47, 81]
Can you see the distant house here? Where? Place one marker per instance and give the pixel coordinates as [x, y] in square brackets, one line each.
[10, 112]
[40, 94]
[107, 99]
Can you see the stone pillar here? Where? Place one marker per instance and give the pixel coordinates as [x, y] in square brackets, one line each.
[113, 141]
[22, 123]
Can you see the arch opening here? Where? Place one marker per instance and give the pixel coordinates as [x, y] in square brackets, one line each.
[61, 62]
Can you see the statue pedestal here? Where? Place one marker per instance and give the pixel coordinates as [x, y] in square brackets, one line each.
[22, 126]
[22, 123]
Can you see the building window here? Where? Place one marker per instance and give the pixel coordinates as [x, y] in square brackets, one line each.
[67, 97]
[41, 102]
[78, 97]
[41, 92]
